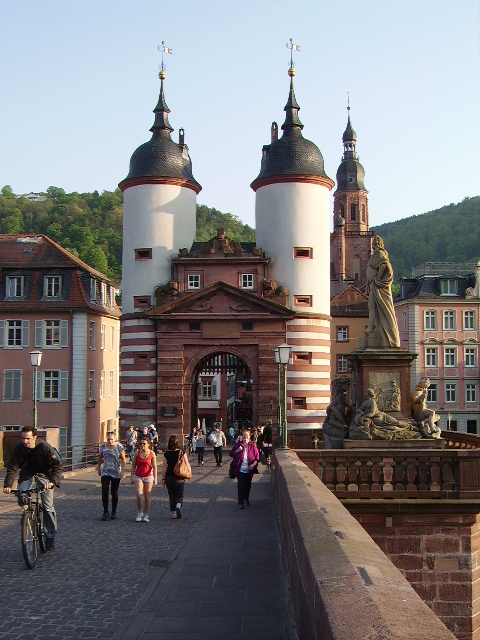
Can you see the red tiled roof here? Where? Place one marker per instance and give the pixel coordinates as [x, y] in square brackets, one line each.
[350, 302]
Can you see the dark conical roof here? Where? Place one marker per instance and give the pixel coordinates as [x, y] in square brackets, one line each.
[161, 157]
[350, 173]
[292, 154]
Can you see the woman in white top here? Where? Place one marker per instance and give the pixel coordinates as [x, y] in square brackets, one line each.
[111, 467]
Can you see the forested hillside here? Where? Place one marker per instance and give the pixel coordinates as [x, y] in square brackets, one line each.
[90, 226]
[449, 234]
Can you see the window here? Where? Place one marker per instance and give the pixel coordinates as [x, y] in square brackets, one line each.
[55, 385]
[432, 393]
[470, 356]
[112, 338]
[14, 333]
[193, 281]
[112, 297]
[141, 302]
[431, 356]
[449, 320]
[247, 326]
[342, 364]
[404, 321]
[450, 357]
[194, 326]
[353, 212]
[104, 293]
[102, 384]
[450, 392]
[303, 252]
[12, 385]
[448, 287]
[301, 357]
[52, 286]
[141, 398]
[51, 333]
[471, 426]
[91, 385]
[299, 403]
[471, 393]
[111, 385]
[14, 287]
[302, 301]
[247, 280]
[469, 319]
[342, 334]
[102, 336]
[430, 320]
[363, 213]
[92, 334]
[209, 390]
[143, 254]
[452, 425]
[93, 289]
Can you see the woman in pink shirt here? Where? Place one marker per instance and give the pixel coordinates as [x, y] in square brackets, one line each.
[144, 475]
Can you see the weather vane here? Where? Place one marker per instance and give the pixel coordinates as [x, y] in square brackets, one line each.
[164, 49]
[292, 47]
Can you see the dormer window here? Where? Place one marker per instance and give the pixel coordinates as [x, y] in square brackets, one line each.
[247, 280]
[14, 288]
[51, 285]
[93, 289]
[448, 287]
[104, 293]
[193, 281]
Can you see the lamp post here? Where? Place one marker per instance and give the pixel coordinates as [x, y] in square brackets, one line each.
[279, 403]
[284, 351]
[35, 360]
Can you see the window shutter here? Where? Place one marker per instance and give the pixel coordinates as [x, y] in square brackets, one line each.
[64, 333]
[25, 333]
[39, 385]
[214, 389]
[2, 323]
[63, 385]
[39, 333]
[7, 385]
[17, 385]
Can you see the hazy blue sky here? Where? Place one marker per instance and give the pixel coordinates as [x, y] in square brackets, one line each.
[79, 83]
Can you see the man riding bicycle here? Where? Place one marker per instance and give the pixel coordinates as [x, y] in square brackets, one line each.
[39, 465]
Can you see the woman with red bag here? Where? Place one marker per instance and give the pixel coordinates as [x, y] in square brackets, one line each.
[174, 484]
[246, 457]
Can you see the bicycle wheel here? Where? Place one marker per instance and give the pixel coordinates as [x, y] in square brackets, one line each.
[42, 540]
[29, 539]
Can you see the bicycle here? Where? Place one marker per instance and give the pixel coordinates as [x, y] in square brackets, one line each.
[33, 530]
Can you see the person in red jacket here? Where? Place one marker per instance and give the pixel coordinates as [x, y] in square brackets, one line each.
[39, 465]
[246, 456]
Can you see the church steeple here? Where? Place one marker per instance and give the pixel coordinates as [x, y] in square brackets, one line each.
[291, 108]
[161, 111]
[349, 140]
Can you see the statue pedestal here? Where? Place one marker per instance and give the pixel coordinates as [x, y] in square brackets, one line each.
[423, 443]
[376, 368]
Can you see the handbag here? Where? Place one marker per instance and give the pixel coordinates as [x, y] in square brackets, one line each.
[182, 468]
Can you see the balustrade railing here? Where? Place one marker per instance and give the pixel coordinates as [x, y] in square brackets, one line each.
[79, 456]
[452, 473]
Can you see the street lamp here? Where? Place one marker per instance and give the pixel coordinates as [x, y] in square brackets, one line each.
[282, 357]
[35, 360]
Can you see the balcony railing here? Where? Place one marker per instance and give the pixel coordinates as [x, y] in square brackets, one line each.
[452, 473]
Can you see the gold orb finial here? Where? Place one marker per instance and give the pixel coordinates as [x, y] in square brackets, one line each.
[162, 75]
[291, 72]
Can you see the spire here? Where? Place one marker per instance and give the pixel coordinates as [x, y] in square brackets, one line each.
[349, 138]
[161, 111]
[292, 107]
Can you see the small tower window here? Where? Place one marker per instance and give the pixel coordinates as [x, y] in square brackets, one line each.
[342, 211]
[363, 213]
[353, 213]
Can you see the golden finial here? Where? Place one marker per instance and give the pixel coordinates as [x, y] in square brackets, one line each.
[293, 47]
[161, 47]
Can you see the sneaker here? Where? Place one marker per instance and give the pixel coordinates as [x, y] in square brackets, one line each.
[105, 516]
[247, 502]
[179, 513]
[202, 462]
[146, 519]
[139, 517]
[50, 544]
[113, 516]
[240, 506]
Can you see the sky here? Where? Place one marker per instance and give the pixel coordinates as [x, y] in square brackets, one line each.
[80, 80]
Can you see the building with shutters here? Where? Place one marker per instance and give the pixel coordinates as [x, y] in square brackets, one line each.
[53, 302]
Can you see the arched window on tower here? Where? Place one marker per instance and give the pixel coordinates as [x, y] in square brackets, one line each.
[342, 211]
[353, 212]
[363, 213]
[356, 267]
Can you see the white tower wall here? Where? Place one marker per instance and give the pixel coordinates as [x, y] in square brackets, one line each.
[157, 216]
[295, 214]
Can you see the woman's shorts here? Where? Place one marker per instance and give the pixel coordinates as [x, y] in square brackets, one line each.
[146, 480]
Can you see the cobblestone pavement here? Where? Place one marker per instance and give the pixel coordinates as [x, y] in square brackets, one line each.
[122, 579]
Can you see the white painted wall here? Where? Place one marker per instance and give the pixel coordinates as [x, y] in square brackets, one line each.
[161, 217]
[295, 214]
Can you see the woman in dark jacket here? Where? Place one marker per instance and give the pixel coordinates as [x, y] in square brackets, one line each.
[246, 456]
[174, 484]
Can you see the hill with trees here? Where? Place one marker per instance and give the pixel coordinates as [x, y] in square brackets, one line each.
[89, 225]
[449, 234]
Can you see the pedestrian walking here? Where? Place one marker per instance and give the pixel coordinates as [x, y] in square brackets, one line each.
[144, 476]
[175, 485]
[219, 441]
[231, 435]
[131, 437]
[246, 456]
[200, 445]
[111, 468]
